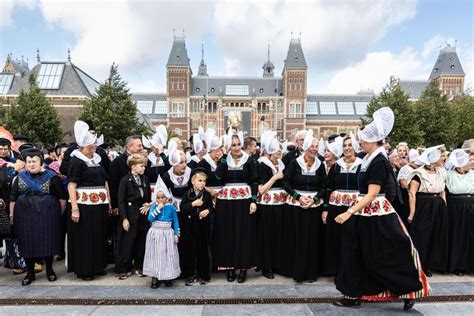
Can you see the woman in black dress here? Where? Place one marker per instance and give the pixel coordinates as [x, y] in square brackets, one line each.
[177, 180]
[89, 196]
[460, 185]
[378, 260]
[37, 200]
[342, 188]
[304, 182]
[428, 217]
[235, 231]
[271, 207]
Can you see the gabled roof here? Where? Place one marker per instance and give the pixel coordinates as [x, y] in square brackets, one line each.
[414, 88]
[73, 82]
[295, 56]
[179, 54]
[447, 64]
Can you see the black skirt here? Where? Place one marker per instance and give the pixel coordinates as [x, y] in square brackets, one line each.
[430, 231]
[403, 210]
[461, 233]
[333, 240]
[270, 236]
[288, 242]
[378, 260]
[87, 240]
[37, 225]
[306, 249]
[235, 235]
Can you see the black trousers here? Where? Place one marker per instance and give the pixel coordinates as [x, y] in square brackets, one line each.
[131, 245]
[195, 252]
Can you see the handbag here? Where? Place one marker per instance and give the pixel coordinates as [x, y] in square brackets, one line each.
[5, 228]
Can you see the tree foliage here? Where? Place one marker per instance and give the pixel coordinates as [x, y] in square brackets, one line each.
[436, 117]
[406, 127]
[113, 111]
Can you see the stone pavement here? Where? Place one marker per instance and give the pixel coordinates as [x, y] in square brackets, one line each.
[68, 287]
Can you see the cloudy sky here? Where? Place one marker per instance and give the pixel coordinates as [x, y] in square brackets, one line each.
[348, 44]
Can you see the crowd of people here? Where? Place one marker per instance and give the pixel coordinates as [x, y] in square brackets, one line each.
[379, 220]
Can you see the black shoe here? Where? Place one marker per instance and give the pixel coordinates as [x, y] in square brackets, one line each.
[242, 276]
[268, 274]
[428, 273]
[103, 272]
[203, 281]
[459, 273]
[28, 280]
[408, 304]
[231, 275]
[155, 283]
[346, 302]
[190, 281]
[51, 276]
[168, 283]
[86, 277]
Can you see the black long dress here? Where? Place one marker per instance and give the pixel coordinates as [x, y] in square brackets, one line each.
[270, 219]
[235, 231]
[179, 185]
[378, 260]
[430, 226]
[303, 244]
[37, 214]
[343, 188]
[461, 221]
[87, 239]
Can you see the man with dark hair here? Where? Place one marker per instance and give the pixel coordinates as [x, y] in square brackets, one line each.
[118, 169]
[250, 146]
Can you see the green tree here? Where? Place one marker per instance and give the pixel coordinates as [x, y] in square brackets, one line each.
[463, 108]
[405, 128]
[33, 115]
[113, 111]
[435, 116]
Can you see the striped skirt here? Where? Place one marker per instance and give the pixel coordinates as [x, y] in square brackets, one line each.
[161, 253]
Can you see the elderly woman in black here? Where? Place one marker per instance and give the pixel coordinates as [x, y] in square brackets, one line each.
[89, 195]
[37, 200]
[235, 231]
[378, 260]
[304, 182]
[343, 190]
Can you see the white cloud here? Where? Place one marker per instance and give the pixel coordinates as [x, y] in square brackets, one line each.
[7, 7]
[136, 34]
[375, 70]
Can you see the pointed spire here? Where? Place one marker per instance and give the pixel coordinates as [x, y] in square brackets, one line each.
[38, 59]
[268, 67]
[68, 55]
[295, 56]
[202, 66]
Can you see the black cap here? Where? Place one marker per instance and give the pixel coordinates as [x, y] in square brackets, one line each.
[198, 170]
[32, 152]
[25, 146]
[91, 125]
[21, 137]
[5, 142]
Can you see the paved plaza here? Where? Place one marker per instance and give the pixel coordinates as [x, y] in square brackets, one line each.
[107, 295]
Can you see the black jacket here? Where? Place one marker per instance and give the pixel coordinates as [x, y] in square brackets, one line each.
[129, 198]
[191, 212]
[118, 169]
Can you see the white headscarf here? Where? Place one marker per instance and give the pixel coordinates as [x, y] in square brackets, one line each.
[354, 142]
[84, 137]
[380, 127]
[158, 139]
[308, 140]
[459, 158]
[336, 147]
[429, 156]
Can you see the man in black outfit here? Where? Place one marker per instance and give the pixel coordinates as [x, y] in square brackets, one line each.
[299, 140]
[118, 169]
